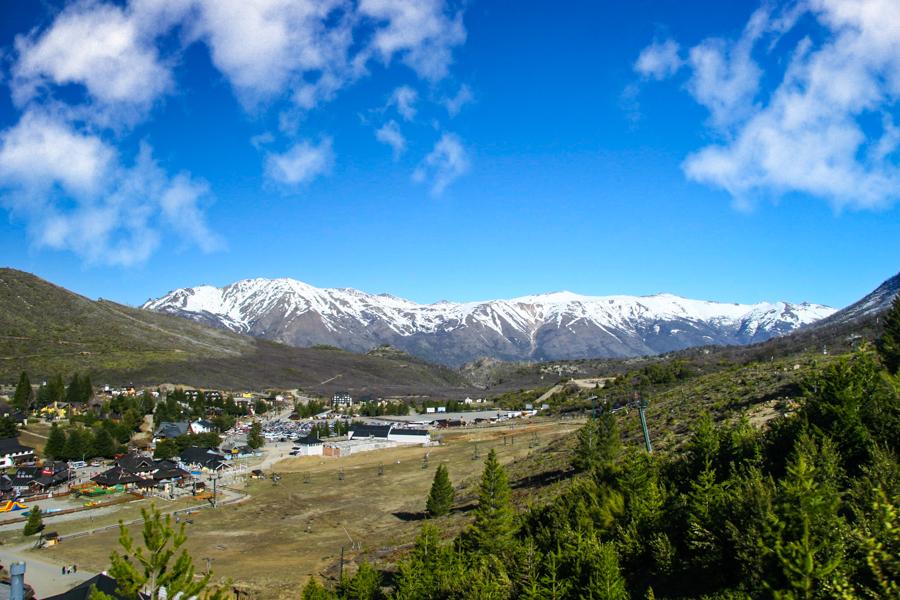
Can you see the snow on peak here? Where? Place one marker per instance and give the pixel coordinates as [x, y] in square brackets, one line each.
[242, 304]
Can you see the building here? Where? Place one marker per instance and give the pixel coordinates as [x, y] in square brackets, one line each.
[137, 470]
[202, 458]
[409, 436]
[170, 430]
[39, 480]
[13, 453]
[341, 400]
[20, 418]
[202, 426]
[308, 446]
[104, 583]
[361, 431]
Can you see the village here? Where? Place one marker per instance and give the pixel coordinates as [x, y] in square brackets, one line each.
[186, 450]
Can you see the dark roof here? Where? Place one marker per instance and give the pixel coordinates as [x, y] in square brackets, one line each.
[308, 440]
[12, 446]
[115, 476]
[364, 431]
[419, 432]
[134, 461]
[205, 457]
[82, 591]
[167, 429]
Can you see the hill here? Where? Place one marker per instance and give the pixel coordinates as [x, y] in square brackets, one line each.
[47, 330]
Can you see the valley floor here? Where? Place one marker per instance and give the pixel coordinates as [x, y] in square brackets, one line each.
[269, 544]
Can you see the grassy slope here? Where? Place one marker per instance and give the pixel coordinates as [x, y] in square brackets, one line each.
[46, 330]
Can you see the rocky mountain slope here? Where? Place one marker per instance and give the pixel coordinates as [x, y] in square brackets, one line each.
[561, 325]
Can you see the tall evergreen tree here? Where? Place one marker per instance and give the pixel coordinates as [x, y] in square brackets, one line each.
[313, 590]
[365, 584]
[493, 528]
[440, 499]
[57, 390]
[889, 343]
[23, 396]
[56, 443]
[76, 446]
[598, 443]
[35, 521]
[8, 428]
[809, 532]
[85, 389]
[73, 391]
[254, 437]
[150, 571]
[103, 444]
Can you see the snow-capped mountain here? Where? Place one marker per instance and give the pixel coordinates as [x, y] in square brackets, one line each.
[561, 325]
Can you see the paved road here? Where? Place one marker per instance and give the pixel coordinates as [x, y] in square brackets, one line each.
[43, 575]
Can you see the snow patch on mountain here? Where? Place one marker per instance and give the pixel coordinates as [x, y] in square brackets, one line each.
[556, 325]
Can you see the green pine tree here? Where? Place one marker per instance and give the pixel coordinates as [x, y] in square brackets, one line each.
[8, 428]
[313, 590]
[255, 438]
[75, 447]
[34, 523]
[85, 389]
[73, 391]
[23, 396]
[809, 530]
[889, 343]
[493, 528]
[57, 391]
[150, 569]
[103, 445]
[598, 443]
[440, 499]
[365, 584]
[56, 443]
[605, 581]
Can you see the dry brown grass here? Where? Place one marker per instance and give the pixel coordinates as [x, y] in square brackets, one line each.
[270, 544]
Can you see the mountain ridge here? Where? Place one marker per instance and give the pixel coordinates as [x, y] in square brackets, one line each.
[551, 326]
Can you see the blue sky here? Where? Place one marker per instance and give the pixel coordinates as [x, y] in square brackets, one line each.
[463, 151]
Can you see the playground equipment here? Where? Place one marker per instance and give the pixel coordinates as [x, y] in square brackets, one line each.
[12, 505]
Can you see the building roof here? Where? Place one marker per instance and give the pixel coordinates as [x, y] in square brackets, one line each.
[82, 591]
[115, 476]
[12, 446]
[205, 457]
[134, 461]
[168, 429]
[364, 431]
[411, 432]
[205, 423]
[308, 440]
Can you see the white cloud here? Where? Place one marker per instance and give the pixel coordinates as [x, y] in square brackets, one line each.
[98, 46]
[404, 100]
[98, 68]
[41, 151]
[389, 134]
[445, 163]
[813, 133]
[659, 60]
[418, 30]
[74, 194]
[267, 46]
[462, 97]
[301, 163]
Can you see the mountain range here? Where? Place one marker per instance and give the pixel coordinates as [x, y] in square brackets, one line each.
[555, 326]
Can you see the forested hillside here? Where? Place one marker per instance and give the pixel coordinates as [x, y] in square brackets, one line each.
[803, 507]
